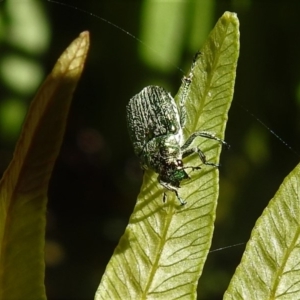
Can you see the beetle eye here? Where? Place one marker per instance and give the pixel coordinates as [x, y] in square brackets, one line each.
[179, 163]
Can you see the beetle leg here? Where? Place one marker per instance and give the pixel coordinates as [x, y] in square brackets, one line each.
[186, 82]
[204, 134]
[202, 156]
[193, 168]
[173, 189]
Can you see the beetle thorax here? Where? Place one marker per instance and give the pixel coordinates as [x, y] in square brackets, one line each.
[171, 169]
[162, 152]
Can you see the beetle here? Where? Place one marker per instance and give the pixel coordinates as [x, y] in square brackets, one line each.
[155, 126]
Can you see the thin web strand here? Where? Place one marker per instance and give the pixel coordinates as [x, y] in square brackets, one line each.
[115, 26]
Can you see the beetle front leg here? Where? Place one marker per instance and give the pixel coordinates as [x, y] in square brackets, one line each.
[202, 156]
[173, 189]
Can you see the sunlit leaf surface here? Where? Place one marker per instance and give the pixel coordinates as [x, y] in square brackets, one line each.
[163, 250]
[270, 265]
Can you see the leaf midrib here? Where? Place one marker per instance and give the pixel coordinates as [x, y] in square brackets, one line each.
[210, 77]
[160, 248]
[280, 270]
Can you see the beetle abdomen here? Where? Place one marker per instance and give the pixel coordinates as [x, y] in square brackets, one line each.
[152, 113]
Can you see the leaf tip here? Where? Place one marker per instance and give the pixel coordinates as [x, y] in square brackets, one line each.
[230, 17]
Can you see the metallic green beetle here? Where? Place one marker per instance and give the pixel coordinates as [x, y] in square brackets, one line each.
[155, 126]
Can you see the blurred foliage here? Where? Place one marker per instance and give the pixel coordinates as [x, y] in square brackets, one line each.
[24, 185]
[97, 177]
[24, 37]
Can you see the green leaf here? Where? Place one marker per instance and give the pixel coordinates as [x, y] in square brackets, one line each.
[162, 252]
[270, 265]
[23, 188]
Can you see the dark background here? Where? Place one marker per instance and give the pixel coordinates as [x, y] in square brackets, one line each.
[97, 178]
